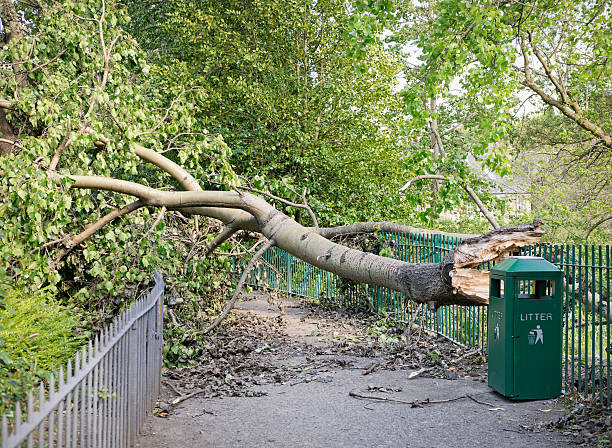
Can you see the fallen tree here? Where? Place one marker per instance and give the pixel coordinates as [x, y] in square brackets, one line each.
[76, 105]
[452, 281]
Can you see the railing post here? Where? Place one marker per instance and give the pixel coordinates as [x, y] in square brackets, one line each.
[289, 279]
[436, 247]
[132, 383]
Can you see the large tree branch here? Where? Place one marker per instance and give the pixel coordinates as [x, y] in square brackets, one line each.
[428, 282]
[573, 112]
[383, 226]
[235, 218]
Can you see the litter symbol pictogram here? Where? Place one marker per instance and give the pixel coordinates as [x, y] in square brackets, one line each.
[536, 335]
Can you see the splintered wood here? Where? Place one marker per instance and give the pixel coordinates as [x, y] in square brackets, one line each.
[471, 283]
[494, 246]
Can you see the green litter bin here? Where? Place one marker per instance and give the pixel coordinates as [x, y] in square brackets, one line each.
[524, 328]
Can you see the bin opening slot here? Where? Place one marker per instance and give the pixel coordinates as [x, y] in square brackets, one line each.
[536, 289]
[497, 288]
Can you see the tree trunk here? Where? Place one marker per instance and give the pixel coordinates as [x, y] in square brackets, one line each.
[434, 283]
[6, 133]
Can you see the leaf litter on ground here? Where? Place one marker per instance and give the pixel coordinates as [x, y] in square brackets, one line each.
[252, 350]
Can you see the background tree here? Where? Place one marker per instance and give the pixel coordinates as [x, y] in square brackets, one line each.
[276, 81]
[554, 56]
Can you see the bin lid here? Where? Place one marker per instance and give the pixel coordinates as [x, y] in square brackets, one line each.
[525, 265]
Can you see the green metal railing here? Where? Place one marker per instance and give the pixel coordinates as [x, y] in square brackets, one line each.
[586, 329]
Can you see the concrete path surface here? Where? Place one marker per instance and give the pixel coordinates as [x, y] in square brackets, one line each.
[322, 413]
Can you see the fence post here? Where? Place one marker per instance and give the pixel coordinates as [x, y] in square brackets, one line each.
[289, 279]
[132, 383]
[436, 247]
[437, 259]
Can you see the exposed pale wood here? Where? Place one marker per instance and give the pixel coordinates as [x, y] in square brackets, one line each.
[471, 283]
[496, 244]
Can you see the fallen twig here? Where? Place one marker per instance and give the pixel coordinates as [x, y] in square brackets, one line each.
[419, 372]
[171, 386]
[414, 404]
[481, 402]
[376, 366]
[417, 403]
[182, 398]
[465, 355]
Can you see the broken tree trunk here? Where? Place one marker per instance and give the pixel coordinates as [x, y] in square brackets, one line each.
[433, 283]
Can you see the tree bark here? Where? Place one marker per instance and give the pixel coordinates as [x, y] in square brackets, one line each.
[6, 133]
[431, 283]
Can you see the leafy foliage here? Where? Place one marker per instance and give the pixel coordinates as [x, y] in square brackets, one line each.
[277, 83]
[36, 336]
[82, 86]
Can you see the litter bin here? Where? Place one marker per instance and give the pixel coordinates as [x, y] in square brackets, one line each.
[524, 328]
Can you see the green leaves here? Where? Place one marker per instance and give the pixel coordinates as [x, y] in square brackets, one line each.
[273, 78]
[39, 217]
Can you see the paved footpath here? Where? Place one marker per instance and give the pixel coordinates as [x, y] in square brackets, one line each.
[321, 413]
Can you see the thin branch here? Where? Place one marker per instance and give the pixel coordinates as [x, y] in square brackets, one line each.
[73, 242]
[574, 112]
[281, 200]
[414, 404]
[483, 209]
[109, 108]
[418, 403]
[594, 226]
[11, 142]
[106, 54]
[244, 252]
[164, 118]
[50, 61]
[62, 146]
[182, 398]
[313, 217]
[238, 290]
[223, 236]
[549, 73]
[161, 214]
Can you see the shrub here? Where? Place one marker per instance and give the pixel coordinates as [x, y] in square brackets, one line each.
[37, 335]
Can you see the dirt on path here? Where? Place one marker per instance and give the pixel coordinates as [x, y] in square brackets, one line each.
[313, 378]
